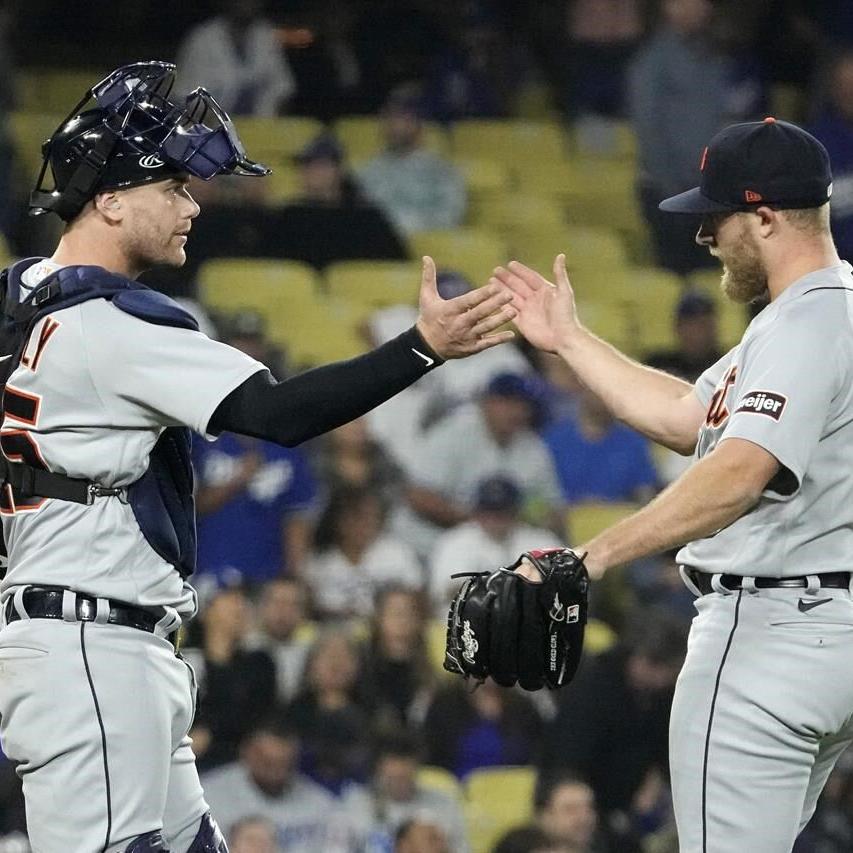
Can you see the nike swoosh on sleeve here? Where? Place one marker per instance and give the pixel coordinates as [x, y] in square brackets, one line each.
[427, 360]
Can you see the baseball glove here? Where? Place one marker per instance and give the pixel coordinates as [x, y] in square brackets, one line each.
[504, 626]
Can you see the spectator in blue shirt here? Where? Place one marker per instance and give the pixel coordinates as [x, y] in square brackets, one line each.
[597, 458]
[254, 498]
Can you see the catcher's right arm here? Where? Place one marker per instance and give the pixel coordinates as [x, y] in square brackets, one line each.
[504, 626]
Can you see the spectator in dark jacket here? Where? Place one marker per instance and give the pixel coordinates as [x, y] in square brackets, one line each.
[612, 725]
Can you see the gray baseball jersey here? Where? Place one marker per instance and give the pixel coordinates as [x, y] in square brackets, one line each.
[762, 707]
[102, 385]
[93, 392]
[787, 388]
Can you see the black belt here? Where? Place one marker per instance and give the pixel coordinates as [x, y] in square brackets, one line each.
[42, 603]
[828, 580]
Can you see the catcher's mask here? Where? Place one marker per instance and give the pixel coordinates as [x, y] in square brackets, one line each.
[133, 134]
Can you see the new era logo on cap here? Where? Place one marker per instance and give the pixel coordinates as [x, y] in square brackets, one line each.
[760, 162]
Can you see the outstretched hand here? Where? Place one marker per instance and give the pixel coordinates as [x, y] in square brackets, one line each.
[546, 313]
[455, 328]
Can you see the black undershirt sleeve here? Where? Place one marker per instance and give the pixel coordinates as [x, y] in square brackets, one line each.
[321, 399]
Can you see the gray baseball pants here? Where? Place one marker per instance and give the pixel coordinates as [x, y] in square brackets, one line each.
[97, 715]
[763, 708]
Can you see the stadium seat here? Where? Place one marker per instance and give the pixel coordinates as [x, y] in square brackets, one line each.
[29, 130]
[319, 331]
[497, 799]
[652, 294]
[266, 285]
[587, 519]
[274, 140]
[590, 252]
[282, 185]
[607, 320]
[485, 180]
[375, 283]
[598, 637]
[54, 89]
[473, 252]
[509, 213]
[361, 137]
[439, 779]
[436, 638]
[513, 143]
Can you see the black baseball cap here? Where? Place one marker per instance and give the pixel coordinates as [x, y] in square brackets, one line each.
[322, 147]
[497, 494]
[756, 163]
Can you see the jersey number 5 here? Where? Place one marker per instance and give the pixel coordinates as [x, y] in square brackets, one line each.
[18, 445]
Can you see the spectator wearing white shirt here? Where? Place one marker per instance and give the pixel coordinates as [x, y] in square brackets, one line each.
[496, 436]
[237, 55]
[495, 536]
[416, 188]
[355, 557]
[399, 423]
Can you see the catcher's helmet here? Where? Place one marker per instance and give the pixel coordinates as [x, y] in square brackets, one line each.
[134, 134]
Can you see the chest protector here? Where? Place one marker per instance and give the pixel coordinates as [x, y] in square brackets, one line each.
[162, 498]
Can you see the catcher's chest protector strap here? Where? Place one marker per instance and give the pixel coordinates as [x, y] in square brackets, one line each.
[162, 499]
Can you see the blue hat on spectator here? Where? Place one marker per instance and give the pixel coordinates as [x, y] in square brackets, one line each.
[520, 387]
[497, 494]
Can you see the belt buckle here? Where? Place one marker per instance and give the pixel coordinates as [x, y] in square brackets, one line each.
[87, 609]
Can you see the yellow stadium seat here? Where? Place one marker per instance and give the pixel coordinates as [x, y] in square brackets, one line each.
[436, 638]
[610, 321]
[361, 137]
[587, 519]
[29, 130]
[589, 251]
[484, 179]
[510, 142]
[375, 283]
[508, 213]
[652, 294]
[274, 140]
[282, 186]
[598, 637]
[264, 284]
[319, 331]
[593, 191]
[439, 779]
[497, 799]
[473, 252]
[55, 90]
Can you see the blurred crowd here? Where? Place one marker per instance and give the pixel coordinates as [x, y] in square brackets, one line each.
[325, 722]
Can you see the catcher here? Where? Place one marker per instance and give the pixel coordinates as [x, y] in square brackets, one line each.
[523, 623]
